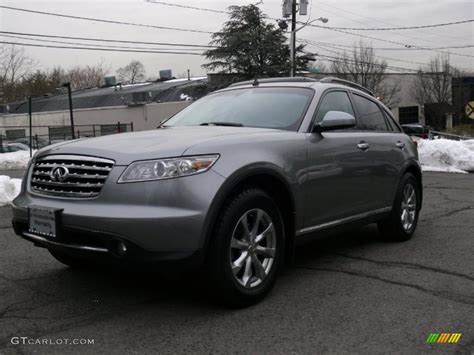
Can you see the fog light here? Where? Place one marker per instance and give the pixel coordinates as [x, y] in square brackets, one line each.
[121, 248]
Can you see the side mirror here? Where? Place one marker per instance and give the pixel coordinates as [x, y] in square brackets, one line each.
[334, 120]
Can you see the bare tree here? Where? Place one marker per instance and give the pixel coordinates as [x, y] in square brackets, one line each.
[362, 67]
[88, 76]
[14, 67]
[433, 82]
[132, 73]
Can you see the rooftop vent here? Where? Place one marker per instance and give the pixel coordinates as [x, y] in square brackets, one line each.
[110, 81]
[166, 74]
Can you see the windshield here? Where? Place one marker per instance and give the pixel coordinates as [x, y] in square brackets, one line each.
[279, 108]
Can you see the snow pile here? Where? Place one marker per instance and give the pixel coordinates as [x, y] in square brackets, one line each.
[14, 161]
[447, 155]
[9, 189]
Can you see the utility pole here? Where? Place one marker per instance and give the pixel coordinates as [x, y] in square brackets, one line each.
[289, 10]
[69, 94]
[293, 39]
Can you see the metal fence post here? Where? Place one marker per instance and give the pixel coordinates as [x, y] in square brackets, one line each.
[78, 134]
[93, 129]
[31, 126]
[36, 141]
[1, 142]
[49, 135]
[118, 127]
[131, 126]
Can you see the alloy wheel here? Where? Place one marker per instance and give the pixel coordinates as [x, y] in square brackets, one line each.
[253, 248]
[408, 207]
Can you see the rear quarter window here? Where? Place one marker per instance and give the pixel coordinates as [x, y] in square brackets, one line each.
[370, 117]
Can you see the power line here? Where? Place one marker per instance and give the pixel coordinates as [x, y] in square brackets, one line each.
[106, 40]
[465, 46]
[317, 26]
[92, 45]
[376, 56]
[187, 7]
[102, 20]
[399, 28]
[96, 48]
[339, 10]
[392, 42]
[392, 67]
[311, 43]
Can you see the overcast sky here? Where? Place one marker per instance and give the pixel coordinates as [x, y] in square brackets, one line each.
[342, 13]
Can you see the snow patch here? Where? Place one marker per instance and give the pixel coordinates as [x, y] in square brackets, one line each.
[446, 155]
[185, 97]
[14, 161]
[9, 189]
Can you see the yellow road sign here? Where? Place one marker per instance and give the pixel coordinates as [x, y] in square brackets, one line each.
[470, 110]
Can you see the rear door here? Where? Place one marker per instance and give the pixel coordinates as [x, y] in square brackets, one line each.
[337, 179]
[384, 152]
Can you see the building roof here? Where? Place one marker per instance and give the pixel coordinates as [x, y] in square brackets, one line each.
[128, 95]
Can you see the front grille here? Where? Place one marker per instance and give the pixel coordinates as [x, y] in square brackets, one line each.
[70, 175]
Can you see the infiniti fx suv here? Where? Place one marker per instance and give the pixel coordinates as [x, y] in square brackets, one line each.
[231, 183]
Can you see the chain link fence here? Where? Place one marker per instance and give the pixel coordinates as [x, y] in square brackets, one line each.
[14, 138]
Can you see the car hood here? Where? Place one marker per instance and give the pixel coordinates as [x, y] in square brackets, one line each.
[125, 148]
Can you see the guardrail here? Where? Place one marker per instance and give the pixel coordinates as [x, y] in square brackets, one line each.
[450, 136]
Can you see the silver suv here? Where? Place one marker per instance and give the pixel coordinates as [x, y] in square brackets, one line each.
[231, 183]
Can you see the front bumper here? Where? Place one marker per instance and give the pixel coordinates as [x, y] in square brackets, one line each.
[156, 220]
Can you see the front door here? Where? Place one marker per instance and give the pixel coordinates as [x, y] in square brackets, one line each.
[338, 173]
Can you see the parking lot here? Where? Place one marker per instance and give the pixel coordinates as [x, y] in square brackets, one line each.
[349, 293]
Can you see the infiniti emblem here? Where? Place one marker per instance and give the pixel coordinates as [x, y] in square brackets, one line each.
[59, 173]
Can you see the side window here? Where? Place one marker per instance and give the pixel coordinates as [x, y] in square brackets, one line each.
[392, 122]
[389, 123]
[370, 116]
[334, 101]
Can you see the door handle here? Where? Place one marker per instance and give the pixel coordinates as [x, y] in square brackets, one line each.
[363, 145]
[400, 145]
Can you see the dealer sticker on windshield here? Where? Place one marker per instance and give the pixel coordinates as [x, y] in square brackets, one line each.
[43, 221]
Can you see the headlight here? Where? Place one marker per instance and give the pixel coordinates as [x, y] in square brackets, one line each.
[167, 168]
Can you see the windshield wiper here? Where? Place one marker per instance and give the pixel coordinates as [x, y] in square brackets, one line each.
[229, 124]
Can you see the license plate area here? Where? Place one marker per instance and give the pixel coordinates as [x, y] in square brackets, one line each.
[44, 221]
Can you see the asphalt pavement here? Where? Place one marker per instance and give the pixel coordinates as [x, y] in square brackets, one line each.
[349, 293]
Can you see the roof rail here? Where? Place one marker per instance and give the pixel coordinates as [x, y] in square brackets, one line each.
[299, 79]
[331, 79]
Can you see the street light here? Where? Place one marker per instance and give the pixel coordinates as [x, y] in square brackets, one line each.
[69, 94]
[293, 40]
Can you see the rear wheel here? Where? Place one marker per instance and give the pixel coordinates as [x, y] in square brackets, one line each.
[402, 221]
[247, 249]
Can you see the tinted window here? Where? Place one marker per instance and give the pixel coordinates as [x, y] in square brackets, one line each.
[391, 121]
[334, 101]
[280, 108]
[370, 116]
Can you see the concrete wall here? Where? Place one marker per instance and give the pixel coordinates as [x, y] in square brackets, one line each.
[404, 98]
[143, 117]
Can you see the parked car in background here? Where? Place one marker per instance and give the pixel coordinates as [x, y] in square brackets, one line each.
[38, 143]
[231, 183]
[13, 147]
[418, 130]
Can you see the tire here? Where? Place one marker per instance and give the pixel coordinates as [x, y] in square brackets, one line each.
[69, 260]
[403, 219]
[243, 250]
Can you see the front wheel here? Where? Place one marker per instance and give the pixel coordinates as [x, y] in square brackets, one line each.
[402, 221]
[247, 249]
